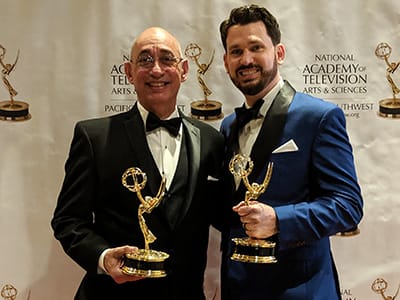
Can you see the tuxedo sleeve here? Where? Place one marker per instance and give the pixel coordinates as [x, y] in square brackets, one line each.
[334, 202]
[73, 219]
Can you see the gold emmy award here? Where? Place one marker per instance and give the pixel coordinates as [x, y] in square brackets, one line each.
[390, 107]
[146, 262]
[203, 109]
[11, 110]
[249, 249]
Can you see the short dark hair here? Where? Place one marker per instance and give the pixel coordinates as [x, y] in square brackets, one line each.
[248, 14]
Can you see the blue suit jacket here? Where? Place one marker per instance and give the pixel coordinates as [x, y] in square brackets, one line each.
[314, 192]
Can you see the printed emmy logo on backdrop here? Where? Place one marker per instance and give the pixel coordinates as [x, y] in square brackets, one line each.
[389, 107]
[380, 285]
[8, 292]
[204, 109]
[11, 109]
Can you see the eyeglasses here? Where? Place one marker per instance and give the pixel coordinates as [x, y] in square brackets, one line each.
[165, 61]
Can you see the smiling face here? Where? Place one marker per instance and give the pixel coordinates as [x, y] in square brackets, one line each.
[252, 60]
[156, 70]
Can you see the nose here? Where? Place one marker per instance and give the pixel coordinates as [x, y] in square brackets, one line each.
[246, 57]
[157, 67]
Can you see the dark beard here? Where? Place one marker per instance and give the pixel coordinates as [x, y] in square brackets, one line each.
[255, 88]
[266, 78]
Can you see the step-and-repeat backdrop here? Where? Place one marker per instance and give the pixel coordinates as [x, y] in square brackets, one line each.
[61, 62]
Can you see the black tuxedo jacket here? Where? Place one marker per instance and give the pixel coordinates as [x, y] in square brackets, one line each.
[95, 211]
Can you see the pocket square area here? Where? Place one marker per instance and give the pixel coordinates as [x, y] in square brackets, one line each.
[211, 178]
[289, 146]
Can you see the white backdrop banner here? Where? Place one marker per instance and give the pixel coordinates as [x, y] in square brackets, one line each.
[69, 67]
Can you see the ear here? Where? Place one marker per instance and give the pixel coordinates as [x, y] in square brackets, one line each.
[226, 64]
[280, 53]
[128, 71]
[185, 70]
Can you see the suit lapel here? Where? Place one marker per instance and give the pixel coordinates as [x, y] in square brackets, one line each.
[232, 140]
[271, 130]
[143, 158]
[192, 135]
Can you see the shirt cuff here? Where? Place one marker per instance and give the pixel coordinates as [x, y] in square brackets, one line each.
[100, 268]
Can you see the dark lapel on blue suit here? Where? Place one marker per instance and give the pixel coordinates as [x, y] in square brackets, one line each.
[271, 130]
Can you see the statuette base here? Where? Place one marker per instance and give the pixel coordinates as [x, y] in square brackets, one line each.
[389, 108]
[254, 251]
[145, 263]
[14, 111]
[206, 110]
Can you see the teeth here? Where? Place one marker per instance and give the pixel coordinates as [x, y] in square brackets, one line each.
[248, 72]
[157, 84]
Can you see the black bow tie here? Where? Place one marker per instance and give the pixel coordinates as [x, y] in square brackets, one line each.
[172, 125]
[244, 115]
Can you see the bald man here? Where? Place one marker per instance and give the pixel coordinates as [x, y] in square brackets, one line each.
[96, 217]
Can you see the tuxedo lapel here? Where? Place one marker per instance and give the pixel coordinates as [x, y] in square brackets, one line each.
[232, 140]
[271, 130]
[143, 158]
[192, 135]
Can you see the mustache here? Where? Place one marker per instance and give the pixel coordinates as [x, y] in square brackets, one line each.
[240, 68]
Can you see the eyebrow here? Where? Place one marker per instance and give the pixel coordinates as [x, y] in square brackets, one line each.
[162, 51]
[249, 43]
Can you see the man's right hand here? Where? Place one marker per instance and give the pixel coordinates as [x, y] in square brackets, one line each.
[113, 260]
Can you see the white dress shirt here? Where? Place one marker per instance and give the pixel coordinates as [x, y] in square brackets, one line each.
[164, 147]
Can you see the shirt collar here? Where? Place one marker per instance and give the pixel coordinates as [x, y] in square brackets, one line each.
[144, 113]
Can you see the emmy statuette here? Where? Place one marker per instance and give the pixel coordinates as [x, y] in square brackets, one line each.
[249, 249]
[11, 110]
[146, 262]
[204, 109]
[389, 107]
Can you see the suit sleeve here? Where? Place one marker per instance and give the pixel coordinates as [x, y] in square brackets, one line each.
[72, 221]
[334, 203]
